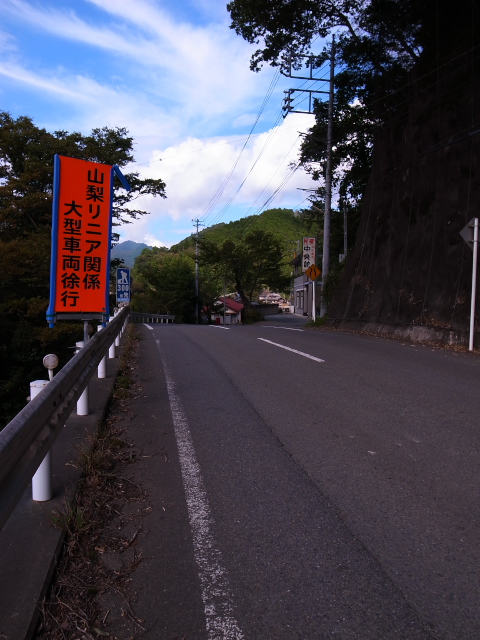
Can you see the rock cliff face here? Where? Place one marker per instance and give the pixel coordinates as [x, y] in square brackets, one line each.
[410, 265]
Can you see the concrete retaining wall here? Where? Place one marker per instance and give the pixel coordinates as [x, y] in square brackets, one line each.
[413, 333]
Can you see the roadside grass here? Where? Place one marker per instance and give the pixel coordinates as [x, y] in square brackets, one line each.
[71, 608]
[319, 322]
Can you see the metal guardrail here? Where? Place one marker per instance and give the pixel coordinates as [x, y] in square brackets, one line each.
[150, 318]
[26, 440]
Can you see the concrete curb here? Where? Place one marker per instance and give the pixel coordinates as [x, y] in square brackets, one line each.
[413, 333]
[30, 544]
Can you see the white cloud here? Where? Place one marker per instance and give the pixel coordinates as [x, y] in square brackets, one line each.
[7, 43]
[176, 84]
[203, 69]
[154, 242]
[195, 170]
[245, 120]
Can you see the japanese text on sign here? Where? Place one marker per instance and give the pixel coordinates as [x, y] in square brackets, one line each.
[308, 253]
[123, 284]
[82, 236]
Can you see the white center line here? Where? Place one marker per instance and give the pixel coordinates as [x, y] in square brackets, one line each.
[148, 326]
[300, 353]
[218, 326]
[216, 594]
[269, 326]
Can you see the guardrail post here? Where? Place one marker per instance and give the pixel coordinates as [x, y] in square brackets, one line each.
[102, 365]
[82, 402]
[111, 350]
[42, 480]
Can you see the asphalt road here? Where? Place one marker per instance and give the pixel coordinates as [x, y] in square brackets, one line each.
[326, 483]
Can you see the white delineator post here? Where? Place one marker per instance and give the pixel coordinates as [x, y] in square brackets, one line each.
[102, 365]
[474, 283]
[42, 480]
[111, 349]
[82, 402]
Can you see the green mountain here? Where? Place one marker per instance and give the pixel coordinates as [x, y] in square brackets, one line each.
[284, 224]
[128, 251]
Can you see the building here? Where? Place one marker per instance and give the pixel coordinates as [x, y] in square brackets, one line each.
[303, 289]
[233, 311]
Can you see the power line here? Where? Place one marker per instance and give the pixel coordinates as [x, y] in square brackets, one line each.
[270, 137]
[209, 208]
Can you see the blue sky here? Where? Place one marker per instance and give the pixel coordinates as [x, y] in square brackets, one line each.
[178, 78]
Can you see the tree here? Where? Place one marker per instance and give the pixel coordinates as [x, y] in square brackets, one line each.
[165, 284]
[377, 44]
[212, 284]
[26, 172]
[404, 143]
[26, 184]
[254, 262]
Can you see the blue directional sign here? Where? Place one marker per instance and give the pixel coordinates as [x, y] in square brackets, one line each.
[123, 285]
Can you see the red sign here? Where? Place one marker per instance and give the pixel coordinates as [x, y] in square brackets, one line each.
[308, 253]
[81, 237]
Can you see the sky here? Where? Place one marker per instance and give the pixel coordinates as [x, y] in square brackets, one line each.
[178, 78]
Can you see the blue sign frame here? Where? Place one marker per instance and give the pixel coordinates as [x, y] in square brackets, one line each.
[123, 284]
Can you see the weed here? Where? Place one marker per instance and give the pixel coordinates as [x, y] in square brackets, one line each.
[122, 394]
[70, 519]
[123, 382]
[319, 322]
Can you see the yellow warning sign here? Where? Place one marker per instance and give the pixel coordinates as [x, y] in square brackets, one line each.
[313, 272]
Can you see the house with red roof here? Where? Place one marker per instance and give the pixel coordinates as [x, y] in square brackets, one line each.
[232, 309]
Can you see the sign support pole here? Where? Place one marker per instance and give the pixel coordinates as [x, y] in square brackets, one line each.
[314, 302]
[474, 283]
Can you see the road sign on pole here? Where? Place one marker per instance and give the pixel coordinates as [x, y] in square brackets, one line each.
[123, 285]
[81, 238]
[309, 253]
[468, 231]
[313, 272]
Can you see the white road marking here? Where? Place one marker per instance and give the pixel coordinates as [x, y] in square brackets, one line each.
[269, 326]
[148, 326]
[300, 353]
[218, 326]
[216, 594]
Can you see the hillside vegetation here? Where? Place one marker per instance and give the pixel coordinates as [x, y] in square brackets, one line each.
[285, 225]
[242, 256]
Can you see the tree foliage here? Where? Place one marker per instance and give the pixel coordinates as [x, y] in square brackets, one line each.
[286, 226]
[164, 283]
[26, 172]
[254, 262]
[376, 45]
[26, 184]
[374, 38]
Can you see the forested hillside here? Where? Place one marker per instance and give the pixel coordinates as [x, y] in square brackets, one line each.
[285, 225]
[241, 256]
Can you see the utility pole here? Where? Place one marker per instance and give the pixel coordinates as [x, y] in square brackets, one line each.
[197, 224]
[328, 181]
[288, 107]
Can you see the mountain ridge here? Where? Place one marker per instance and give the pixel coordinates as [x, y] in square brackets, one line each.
[128, 251]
